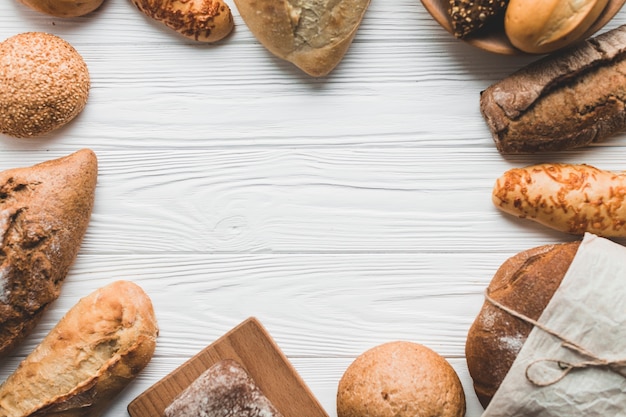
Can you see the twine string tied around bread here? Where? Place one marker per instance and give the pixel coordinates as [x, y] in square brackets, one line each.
[563, 367]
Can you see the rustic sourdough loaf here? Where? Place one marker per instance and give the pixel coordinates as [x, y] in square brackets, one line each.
[44, 213]
[568, 99]
[93, 352]
[525, 282]
[312, 34]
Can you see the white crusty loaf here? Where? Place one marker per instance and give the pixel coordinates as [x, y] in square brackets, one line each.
[313, 35]
[95, 350]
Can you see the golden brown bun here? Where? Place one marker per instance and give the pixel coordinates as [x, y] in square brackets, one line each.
[542, 26]
[44, 214]
[95, 350]
[45, 84]
[314, 39]
[63, 8]
[400, 379]
[525, 282]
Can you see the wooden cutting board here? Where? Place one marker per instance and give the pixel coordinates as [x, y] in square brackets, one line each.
[253, 347]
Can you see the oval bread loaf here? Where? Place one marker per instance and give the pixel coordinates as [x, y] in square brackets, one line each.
[543, 26]
[63, 8]
[526, 283]
[95, 350]
[44, 213]
[566, 197]
[200, 20]
[566, 100]
[312, 35]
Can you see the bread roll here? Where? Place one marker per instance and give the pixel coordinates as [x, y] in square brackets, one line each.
[95, 350]
[44, 84]
[542, 26]
[63, 8]
[526, 283]
[313, 35]
[222, 389]
[400, 379]
[566, 100]
[44, 214]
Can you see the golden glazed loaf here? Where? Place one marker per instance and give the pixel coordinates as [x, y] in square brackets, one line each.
[314, 35]
[44, 214]
[525, 283]
[95, 350]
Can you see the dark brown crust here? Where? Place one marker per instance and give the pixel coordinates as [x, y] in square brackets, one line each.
[566, 100]
[44, 213]
[525, 282]
[469, 16]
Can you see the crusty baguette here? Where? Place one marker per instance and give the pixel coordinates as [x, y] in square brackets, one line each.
[44, 213]
[313, 35]
[526, 283]
[570, 198]
[568, 99]
[95, 350]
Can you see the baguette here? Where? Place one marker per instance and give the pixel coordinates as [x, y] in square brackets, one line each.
[566, 100]
[44, 214]
[95, 350]
[526, 283]
[570, 198]
[313, 35]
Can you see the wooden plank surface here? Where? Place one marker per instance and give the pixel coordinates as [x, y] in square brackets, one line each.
[251, 346]
[342, 212]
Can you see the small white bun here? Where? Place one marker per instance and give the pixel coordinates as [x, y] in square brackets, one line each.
[44, 84]
[543, 26]
[400, 379]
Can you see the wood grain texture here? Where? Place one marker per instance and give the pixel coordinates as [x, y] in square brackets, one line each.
[251, 346]
[342, 212]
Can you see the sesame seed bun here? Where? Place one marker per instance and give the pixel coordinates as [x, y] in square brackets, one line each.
[44, 83]
[400, 379]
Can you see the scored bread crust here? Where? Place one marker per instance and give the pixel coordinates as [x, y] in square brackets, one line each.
[568, 99]
[93, 352]
[44, 214]
[525, 283]
[314, 35]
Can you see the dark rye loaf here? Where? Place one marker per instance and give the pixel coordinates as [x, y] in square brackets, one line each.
[44, 213]
[566, 100]
[525, 283]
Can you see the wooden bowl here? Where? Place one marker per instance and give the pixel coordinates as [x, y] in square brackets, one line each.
[494, 39]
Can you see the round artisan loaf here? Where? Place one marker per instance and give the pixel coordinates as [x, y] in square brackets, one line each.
[44, 83]
[525, 283]
[400, 379]
[543, 26]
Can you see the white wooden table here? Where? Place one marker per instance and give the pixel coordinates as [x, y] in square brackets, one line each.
[342, 212]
